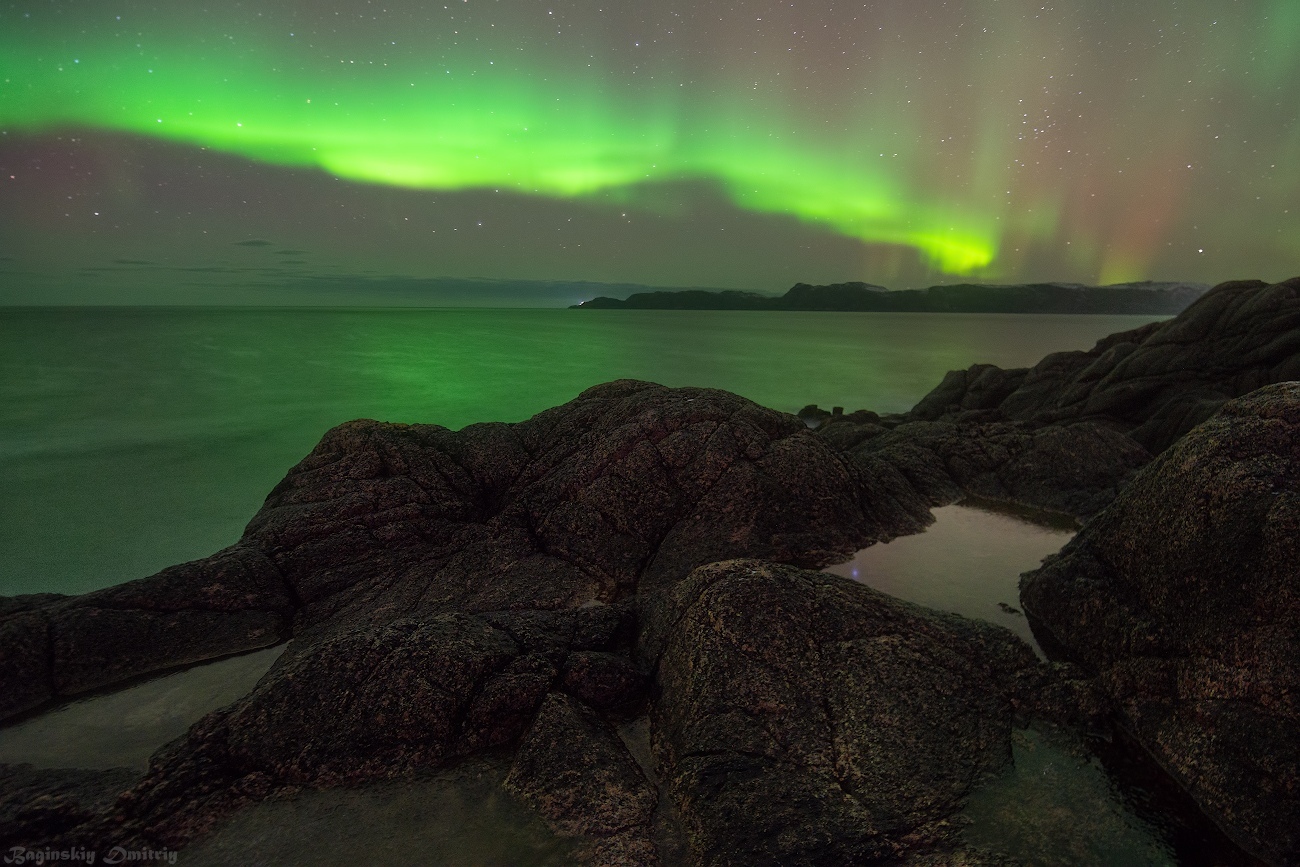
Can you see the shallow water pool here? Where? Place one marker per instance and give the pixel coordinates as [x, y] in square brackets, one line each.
[968, 562]
[122, 729]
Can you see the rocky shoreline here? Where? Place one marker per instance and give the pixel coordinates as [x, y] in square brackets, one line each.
[641, 556]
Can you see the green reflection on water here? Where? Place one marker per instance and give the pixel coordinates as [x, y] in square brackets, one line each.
[968, 562]
[134, 438]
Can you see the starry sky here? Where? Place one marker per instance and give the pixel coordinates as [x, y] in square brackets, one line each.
[200, 150]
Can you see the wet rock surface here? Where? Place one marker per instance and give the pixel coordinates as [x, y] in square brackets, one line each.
[38, 804]
[573, 769]
[54, 647]
[1183, 599]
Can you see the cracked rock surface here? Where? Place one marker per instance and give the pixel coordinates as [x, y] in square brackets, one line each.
[807, 719]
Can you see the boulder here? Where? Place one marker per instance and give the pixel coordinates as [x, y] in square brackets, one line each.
[806, 719]
[1074, 469]
[41, 804]
[1183, 599]
[56, 647]
[1235, 338]
[573, 769]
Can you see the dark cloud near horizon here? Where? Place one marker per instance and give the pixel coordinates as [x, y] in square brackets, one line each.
[405, 290]
[694, 237]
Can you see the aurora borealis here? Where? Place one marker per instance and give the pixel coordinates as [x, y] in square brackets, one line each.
[744, 144]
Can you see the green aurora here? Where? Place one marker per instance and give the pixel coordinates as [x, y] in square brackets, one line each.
[492, 131]
[966, 151]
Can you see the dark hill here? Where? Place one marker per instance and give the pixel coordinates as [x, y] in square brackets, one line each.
[1136, 298]
[685, 299]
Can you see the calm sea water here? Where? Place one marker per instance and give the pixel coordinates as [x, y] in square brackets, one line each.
[135, 438]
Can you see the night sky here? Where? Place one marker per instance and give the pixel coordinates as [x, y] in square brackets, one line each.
[198, 151]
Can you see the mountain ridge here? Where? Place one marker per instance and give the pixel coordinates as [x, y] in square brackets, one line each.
[1148, 297]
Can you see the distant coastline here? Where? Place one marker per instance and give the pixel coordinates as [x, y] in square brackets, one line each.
[1121, 298]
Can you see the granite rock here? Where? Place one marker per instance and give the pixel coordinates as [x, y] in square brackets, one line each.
[575, 771]
[806, 719]
[40, 804]
[56, 647]
[1183, 599]
[1068, 433]
[439, 585]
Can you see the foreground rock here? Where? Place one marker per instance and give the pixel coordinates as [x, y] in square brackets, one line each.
[573, 769]
[443, 587]
[806, 719]
[1183, 597]
[37, 805]
[538, 588]
[630, 483]
[1068, 433]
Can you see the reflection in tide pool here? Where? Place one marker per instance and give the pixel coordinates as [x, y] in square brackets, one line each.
[123, 729]
[968, 562]
[1056, 805]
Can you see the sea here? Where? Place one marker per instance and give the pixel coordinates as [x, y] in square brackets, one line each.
[133, 438]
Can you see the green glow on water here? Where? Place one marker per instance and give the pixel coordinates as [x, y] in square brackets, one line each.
[135, 438]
